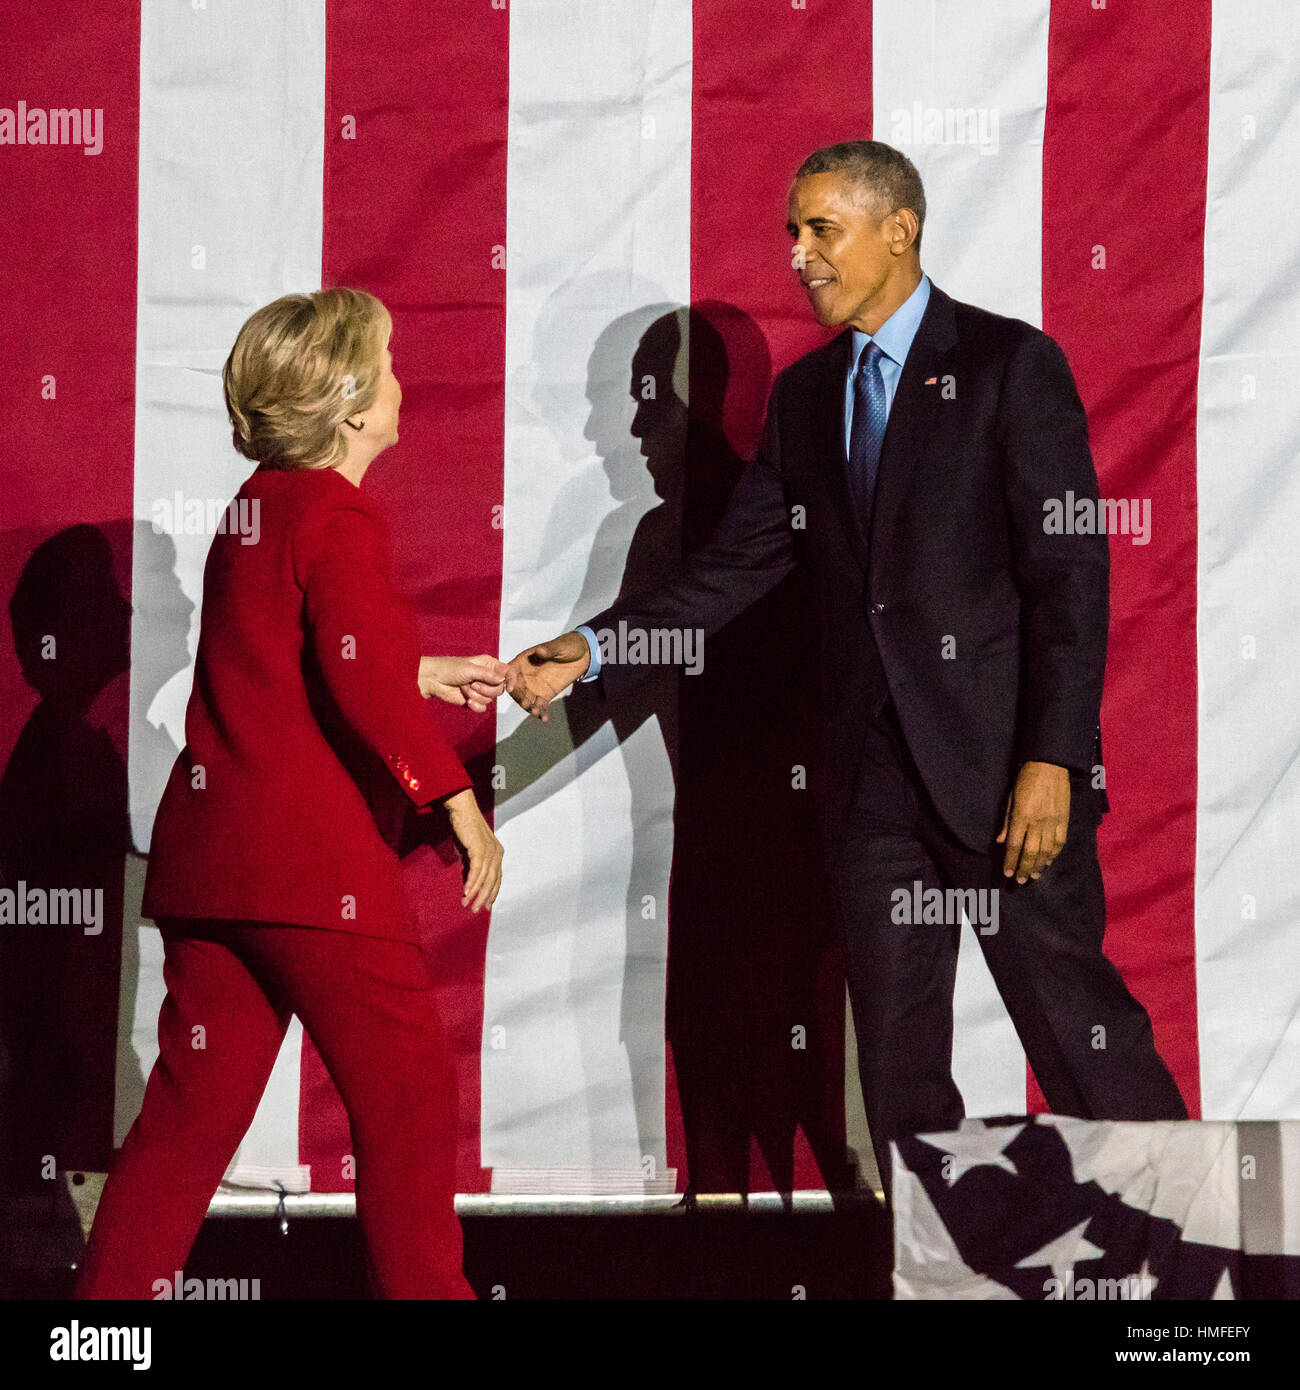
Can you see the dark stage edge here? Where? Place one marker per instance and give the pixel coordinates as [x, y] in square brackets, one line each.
[713, 1249]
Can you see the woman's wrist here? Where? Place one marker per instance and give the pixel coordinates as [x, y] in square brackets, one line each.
[463, 800]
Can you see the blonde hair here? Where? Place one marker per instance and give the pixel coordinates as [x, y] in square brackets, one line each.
[300, 366]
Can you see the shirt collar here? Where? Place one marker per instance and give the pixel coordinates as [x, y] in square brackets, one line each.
[894, 336]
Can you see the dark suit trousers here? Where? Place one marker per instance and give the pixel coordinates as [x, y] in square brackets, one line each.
[1086, 1037]
[368, 1005]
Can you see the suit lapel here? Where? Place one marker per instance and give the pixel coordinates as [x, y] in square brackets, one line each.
[830, 417]
[912, 418]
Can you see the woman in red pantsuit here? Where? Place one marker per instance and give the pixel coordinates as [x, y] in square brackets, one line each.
[268, 877]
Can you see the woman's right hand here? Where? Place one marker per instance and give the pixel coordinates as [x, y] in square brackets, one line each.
[483, 851]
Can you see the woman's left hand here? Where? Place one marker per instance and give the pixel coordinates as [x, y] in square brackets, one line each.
[475, 681]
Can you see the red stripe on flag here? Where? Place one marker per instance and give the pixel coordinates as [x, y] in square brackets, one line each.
[1127, 177]
[415, 212]
[756, 995]
[67, 351]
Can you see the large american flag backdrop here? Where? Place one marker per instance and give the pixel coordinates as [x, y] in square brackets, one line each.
[575, 210]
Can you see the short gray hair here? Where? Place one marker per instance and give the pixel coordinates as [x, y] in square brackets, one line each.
[886, 174]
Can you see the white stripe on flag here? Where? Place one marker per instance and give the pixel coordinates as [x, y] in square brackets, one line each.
[228, 88]
[598, 229]
[1248, 630]
[961, 88]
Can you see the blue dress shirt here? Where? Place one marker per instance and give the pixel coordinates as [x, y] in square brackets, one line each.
[894, 338]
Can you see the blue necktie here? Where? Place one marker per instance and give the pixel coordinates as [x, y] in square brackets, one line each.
[868, 429]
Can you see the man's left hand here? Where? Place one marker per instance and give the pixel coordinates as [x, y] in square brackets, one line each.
[1036, 820]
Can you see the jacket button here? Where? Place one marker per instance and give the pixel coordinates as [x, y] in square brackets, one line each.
[877, 607]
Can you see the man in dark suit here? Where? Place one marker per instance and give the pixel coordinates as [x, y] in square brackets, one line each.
[911, 463]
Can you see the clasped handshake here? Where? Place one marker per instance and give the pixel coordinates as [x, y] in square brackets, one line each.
[535, 677]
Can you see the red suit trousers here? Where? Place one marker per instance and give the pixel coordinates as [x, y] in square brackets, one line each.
[368, 1006]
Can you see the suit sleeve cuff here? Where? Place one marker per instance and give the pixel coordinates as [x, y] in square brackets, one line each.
[594, 648]
[431, 779]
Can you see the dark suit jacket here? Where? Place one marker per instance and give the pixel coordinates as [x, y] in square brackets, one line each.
[307, 666]
[992, 632]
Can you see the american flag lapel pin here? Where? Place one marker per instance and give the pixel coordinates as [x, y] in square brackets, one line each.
[932, 381]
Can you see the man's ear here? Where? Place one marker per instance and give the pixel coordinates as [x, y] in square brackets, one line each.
[903, 230]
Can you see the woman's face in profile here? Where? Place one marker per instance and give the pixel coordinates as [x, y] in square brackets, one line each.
[388, 402]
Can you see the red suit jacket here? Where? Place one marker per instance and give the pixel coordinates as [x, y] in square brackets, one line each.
[305, 680]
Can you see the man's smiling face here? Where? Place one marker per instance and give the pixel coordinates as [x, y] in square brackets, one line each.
[846, 256]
